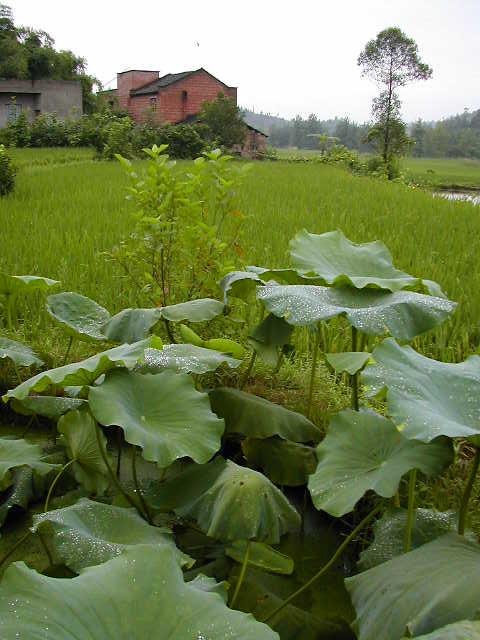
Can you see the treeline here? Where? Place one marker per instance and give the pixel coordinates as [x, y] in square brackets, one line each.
[29, 54]
[456, 136]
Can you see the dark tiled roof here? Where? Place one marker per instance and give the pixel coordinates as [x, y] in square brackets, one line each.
[164, 81]
[192, 118]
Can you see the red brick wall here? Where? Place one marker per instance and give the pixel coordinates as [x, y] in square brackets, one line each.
[172, 107]
[129, 80]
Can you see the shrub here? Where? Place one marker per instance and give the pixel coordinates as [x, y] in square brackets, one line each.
[7, 172]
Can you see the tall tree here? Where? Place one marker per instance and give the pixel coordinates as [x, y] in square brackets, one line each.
[224, 119]
[392, 61]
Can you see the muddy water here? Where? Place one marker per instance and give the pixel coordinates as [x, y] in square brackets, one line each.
[459, 196]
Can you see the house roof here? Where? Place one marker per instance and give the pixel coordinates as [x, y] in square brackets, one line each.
[167, 80]
[194, 117]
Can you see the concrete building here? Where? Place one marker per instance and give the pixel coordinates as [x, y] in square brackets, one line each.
[174, 98]
[62, 97]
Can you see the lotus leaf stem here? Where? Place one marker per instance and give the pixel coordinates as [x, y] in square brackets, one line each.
[463, 511]
[354, 378]
[45, 548]
[249, 369]
[329, 564]
[411, 510]
[313, 372]
[55, 480]
[67, 352]
[137, 486]
[119, 452]
[113, 477]
[242, 574]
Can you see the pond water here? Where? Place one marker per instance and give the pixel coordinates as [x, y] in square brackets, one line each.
[459, 196]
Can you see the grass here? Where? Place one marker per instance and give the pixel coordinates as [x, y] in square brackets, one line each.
[63, 214]
[454, 173]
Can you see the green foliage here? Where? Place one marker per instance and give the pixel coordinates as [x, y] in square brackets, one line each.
[7, 172]
[224, 121]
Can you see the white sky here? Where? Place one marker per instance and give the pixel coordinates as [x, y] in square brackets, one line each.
[284, 57]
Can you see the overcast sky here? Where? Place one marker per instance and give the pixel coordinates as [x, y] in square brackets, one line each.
[284, 57]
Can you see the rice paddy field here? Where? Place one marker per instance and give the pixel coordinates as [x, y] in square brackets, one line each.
[68, 208]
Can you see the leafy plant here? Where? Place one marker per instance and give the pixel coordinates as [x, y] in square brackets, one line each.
[7, 172]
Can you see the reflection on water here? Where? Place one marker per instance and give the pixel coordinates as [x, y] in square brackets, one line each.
[460, 196]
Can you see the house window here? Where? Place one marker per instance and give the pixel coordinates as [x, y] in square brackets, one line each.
[153, 104]
[13, 111]
[184, 96]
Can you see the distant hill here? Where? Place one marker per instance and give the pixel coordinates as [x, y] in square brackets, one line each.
[263, 121]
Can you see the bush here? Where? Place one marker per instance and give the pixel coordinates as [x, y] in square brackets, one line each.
[7, 172]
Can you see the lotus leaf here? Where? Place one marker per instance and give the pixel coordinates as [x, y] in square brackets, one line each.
[130, 325]
[19, 493]
[389, 533]
[230, 502]
[13, 285]
[48, 406]
[80, 316]
[19, 353]
[162, 413]
[189, 336]
[137, 595]
[341, 262]
[82, 373]
[225, 345]
[405, 314]
[284, 462]
[79, 436]
[256, 417]
[89, 533]
[426, 589]
[426, 397]
[364, 451]
[19, 453]
[194, 310]
[465, 630]
[269, 336]
[260, 555]
[186, 358]
[348, 362]
[240, 284]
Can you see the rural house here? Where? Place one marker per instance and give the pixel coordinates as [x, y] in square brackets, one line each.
[62, 97]
[174, 98]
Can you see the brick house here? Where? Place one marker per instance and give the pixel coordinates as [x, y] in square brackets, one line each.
[174, 98]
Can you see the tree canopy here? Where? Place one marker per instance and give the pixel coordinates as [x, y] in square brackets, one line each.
[224, 119]
[27, 53]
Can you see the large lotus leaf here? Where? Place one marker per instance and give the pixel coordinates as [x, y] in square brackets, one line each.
[465, 630]
[186, 358]
[48, 406]
[256, 417]
[18, 353]
[162, 413]
[260, 555]
[19, 453]
[79, 436]
[82, 373]
[80, 316]
[389, 533]
[137, 595]
[426, 397]
[199, 310]
[130, 325]
[424, 590]
[284, 276]
[89, 533]
[364, 451]
[19, 493]
[405, 314]
[348, 362]
[341, 262]
[13, 285]
[230, 502]
[284, 462]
